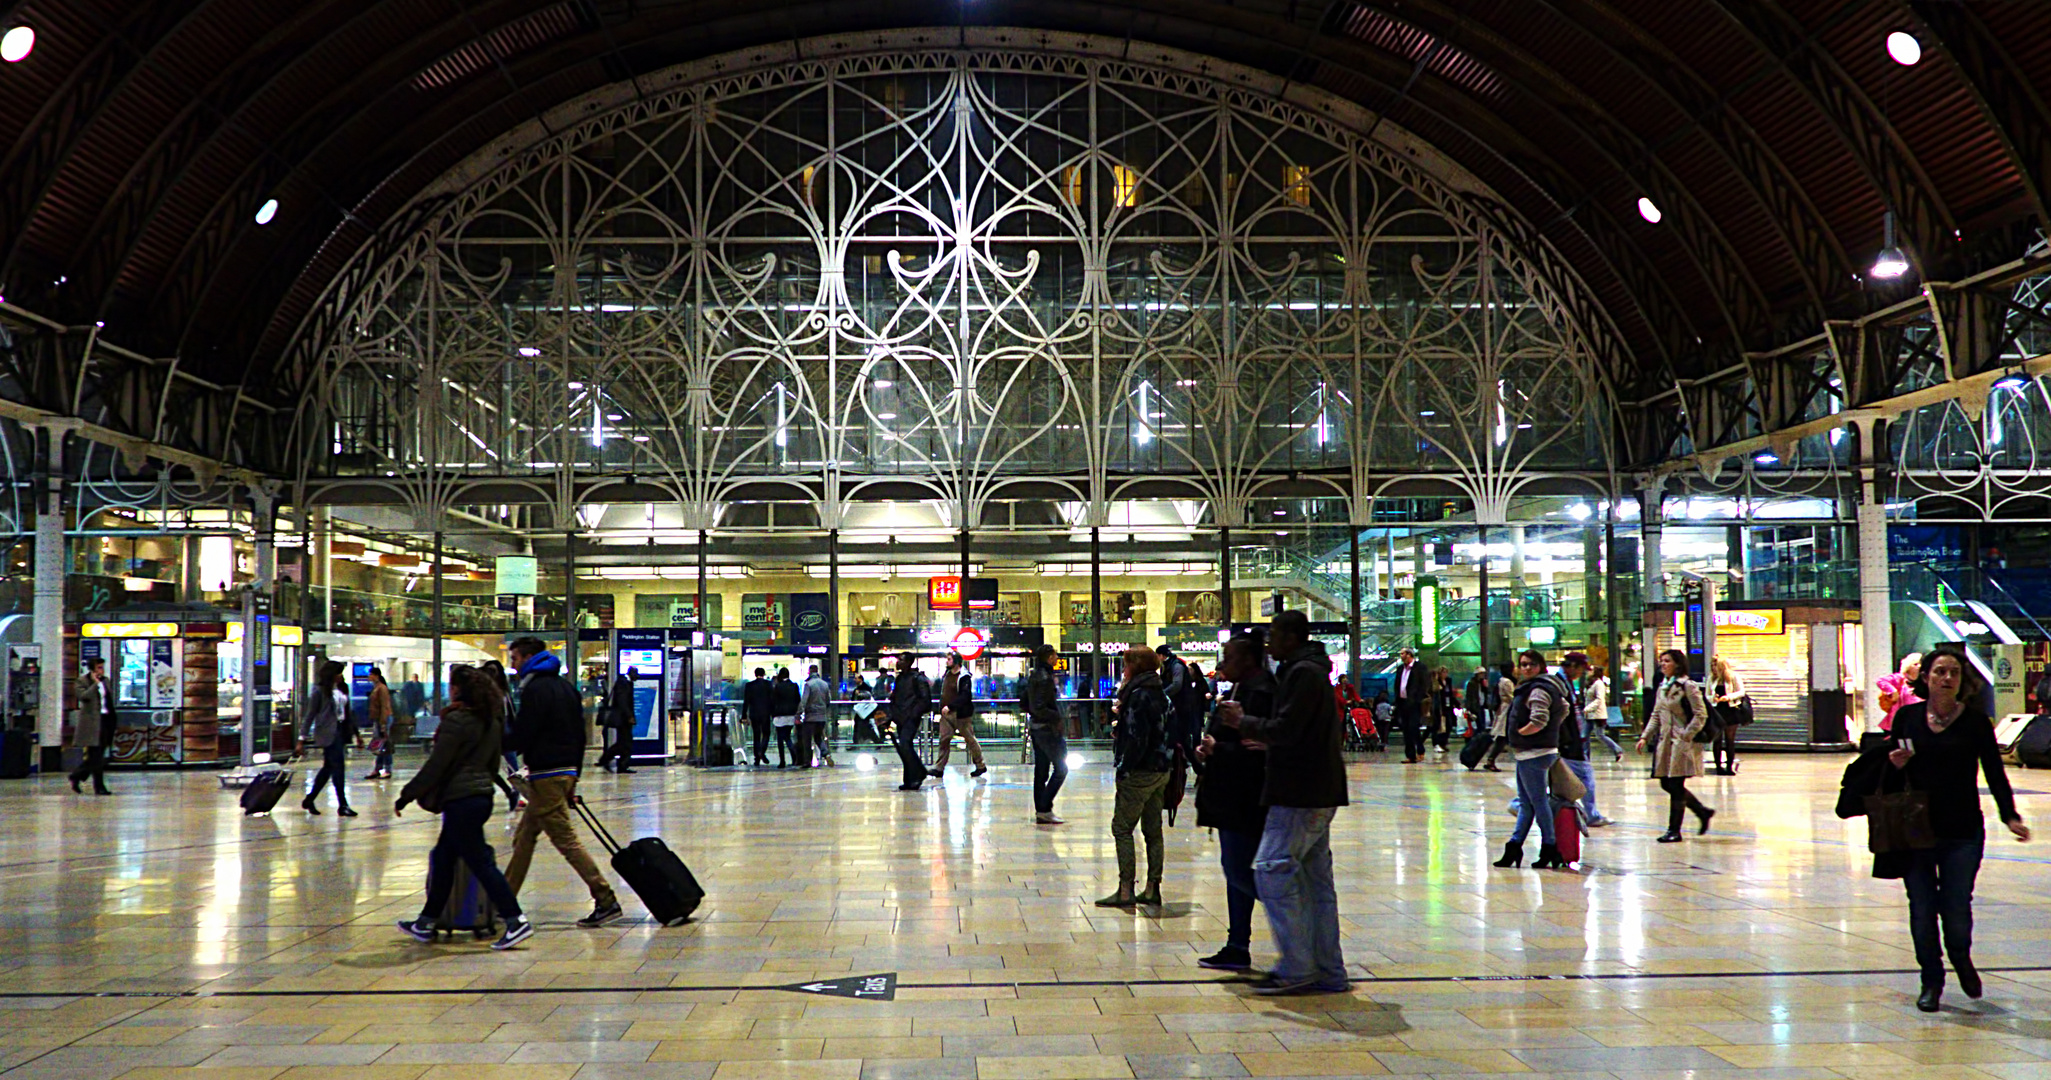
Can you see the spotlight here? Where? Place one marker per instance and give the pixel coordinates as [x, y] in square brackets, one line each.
[1766, 457]
[2012, 383]
[1649, 210]
[266, 212]
[1904, 48]
[16, 44]
[1890, 263]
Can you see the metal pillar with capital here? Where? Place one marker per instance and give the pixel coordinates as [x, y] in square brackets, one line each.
[434, 621]
[1651, 502]
[48, 617]
[259, 616]
[1353, 609]
[1876, 609]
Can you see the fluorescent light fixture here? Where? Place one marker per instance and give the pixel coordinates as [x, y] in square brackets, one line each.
[267, 211]
[1903, 47]
[1580, 512]
[2014, 384]
[16, 44]
[576, 385]
[529, 350]
[1766, 457]
[1649, 210]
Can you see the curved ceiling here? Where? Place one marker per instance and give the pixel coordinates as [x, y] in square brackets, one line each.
[141, 137]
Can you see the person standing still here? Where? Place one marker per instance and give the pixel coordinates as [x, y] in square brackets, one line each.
[785, 702]
[1305, 786]
[1044, 728]
[1228, 796]
[958, 717]
[1140, 746]
[759, 709]
[548, 733]
[817, 706]
[93, 732]
[328, 727]
[616, 725]
[911, 698]
[382, 722]
[1413, 688]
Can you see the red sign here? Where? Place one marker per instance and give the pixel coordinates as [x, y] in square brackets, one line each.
[969, 642]
[943, 593]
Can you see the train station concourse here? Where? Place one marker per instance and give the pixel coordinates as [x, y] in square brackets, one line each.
[639, 538]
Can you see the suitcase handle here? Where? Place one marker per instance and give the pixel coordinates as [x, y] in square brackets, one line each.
[612, 846]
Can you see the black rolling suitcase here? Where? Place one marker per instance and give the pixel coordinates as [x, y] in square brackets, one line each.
[17, 753]
[1476, 748]
[264, 792]
[652, 870]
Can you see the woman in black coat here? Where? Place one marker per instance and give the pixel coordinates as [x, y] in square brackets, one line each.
[1944, 744]
[1228, 795]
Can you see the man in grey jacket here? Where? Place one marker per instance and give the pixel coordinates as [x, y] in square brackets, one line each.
[818, 702]
[1050, 742]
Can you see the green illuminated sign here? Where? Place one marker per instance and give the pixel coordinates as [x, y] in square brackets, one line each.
[1427, 596]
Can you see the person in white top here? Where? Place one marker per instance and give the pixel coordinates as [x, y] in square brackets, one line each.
[1596, 709]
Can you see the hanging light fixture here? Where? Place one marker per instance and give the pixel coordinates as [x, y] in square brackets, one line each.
[1890, 263]
[1649, 210]
[1903, 48]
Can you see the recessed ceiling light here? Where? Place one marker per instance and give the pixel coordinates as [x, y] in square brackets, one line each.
[1904, 48]
[1649, 210]
[267, 211]
[16, 44]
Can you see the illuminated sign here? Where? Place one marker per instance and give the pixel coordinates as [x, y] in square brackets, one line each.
[1544, 635]
[1741, 622]
[280, 635]
[969, 642]
[944, 593]
[1427, 597]
[129, 630]
[518, 575]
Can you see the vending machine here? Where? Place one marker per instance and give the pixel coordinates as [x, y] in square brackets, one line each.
[643, 657]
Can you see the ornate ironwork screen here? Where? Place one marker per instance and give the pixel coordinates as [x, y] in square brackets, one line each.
[961, 268]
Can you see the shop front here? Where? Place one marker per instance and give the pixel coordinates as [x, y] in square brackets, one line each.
[183, 685]
[1796, 659]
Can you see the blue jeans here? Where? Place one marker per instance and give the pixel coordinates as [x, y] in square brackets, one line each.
[1601, 731]
[1050, 768]
[1586, 773]
[1292, 872]
[1236, 851]
[1940, 887]
[334, 762]
[1534, 799]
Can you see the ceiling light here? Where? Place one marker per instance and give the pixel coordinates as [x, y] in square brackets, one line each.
[16, 43]
[1904, 48]
[886, 416]
[529, 350]
[881, 384]
[267, 211]
[576, 386]
[1649, 210]
[1766, 457]
[1890, 263]
[613, 416]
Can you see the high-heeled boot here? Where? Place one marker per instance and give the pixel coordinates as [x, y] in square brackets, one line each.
[1548, 858]
[1513, 855]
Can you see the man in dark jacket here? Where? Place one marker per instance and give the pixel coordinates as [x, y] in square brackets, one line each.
[1412, 684]
[1050, 742]
[616, 723]
[1537, 710]
[1574, 733]
[911, 698]
[757, 705]
[548, 734]
[1228, 795]
[786, 701]
[958, 717]
[1306, 784]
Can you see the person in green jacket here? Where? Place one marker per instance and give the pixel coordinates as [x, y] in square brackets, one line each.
[457, 781]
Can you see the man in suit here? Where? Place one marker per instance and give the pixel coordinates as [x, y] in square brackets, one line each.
[1412, 685]
[756, 705]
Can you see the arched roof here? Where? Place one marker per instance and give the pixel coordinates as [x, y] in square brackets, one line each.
[140, 138]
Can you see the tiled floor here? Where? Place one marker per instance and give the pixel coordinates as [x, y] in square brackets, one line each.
[159, 934]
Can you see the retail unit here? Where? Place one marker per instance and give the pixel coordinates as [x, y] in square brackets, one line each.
[180, 680]
[1795, 659]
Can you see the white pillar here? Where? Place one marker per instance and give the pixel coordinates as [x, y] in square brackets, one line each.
[1650, 505]
[1875, 612]
[48, 616]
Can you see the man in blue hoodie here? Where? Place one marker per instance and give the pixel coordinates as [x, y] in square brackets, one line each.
[548, 734]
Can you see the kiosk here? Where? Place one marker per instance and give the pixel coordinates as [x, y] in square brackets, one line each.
[182, 687]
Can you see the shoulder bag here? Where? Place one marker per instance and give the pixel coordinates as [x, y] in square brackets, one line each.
[1898, 821]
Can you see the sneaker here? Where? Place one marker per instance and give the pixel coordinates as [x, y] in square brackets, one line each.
[602, 914]
[1047, 818]
[1274, 987]
[1227, 959]
[518, 929]
[1598, 822]
[420, 930]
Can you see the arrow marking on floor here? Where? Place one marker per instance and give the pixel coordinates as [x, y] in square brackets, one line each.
[867, 987]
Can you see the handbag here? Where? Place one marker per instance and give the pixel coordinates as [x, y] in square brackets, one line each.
[1898, 821]
[1566, 787]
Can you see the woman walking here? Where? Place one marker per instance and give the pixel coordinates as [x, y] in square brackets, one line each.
[1139, 740]
[1445, 708]
[1595, 709]
[328, 727]
[1945, 745]
[380, 727]
[495, 673]
[1678, 713]
[456, 782]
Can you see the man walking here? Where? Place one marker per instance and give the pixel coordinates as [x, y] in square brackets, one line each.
[548, 734]
[1574, 734]
[958, 717]
[817, 704]
[1306, 784]
[1412, 687]
[616, 725]
[93, 732]
[1050, 742]
[756, 705]
[911, 698]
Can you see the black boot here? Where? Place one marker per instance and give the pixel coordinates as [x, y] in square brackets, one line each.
[1513, 855]
[1548, 858]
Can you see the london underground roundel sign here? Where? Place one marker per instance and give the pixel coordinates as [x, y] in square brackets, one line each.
[969, 642]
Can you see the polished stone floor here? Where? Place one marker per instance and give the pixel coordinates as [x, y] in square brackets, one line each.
[158, 933]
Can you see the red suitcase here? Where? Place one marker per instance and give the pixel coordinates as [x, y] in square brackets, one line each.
[1566, 824]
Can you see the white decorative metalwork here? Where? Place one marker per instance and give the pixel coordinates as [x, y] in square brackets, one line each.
[956, 264]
